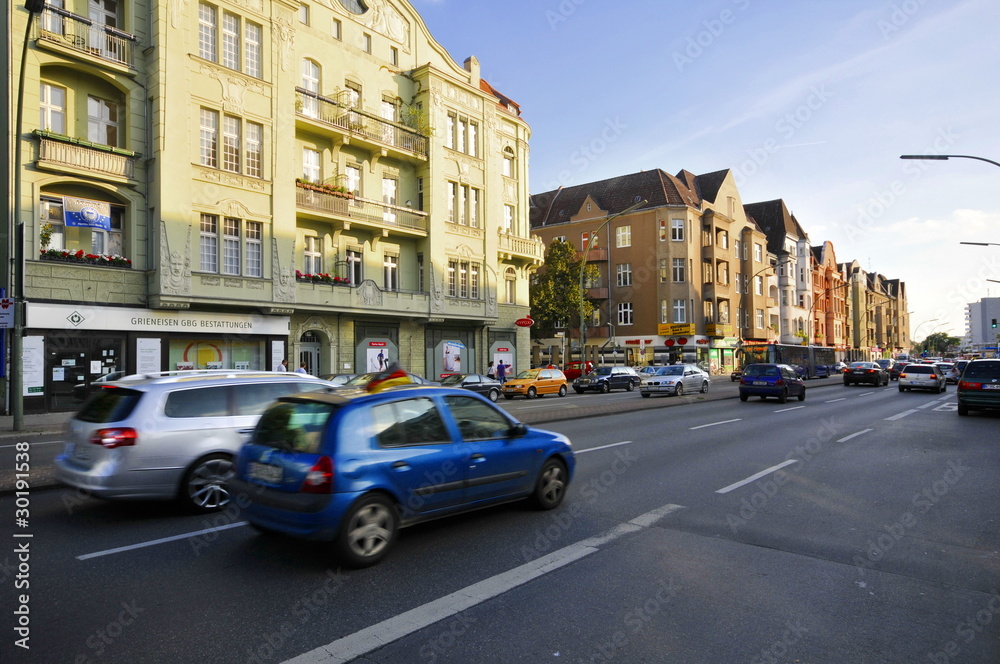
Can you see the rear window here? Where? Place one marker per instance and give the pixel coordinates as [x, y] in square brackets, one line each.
[110, 404]
[919, 369]
[981, 371]
[761, 370]
[293, 425]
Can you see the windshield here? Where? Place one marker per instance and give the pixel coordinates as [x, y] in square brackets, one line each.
[529, 374]
[670, 371]
[361, 379]
[454, 379]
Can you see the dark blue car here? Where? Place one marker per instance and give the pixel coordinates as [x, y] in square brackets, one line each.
[354, 467]
[771, 380]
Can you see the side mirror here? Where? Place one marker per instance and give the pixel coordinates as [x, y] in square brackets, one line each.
[517, 430]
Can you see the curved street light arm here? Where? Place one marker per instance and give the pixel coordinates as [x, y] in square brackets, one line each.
[946, 157]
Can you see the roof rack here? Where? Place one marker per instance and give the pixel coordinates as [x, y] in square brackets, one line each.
[181, 373]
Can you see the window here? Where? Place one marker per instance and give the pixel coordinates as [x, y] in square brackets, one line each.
[706, 272]
[390, 272]
[209, 138]
[393, 56]
[242, 143]
[312, 255]
[593, 238]
[508, 218]
[102, 121]
[408, 422]
[680, 311]
[624, 313]
[474, 207]
[664, 271]
[354, 266]
[252, 39]
[663, 230]
[678, 270]
[74, 238]
[389, 187]
[463, 279]
[209, 243]
[722, 239]
[453, 202]
[255, 249]
[255, 147]
[231, 141]
[304, 14]
[462, 134]
[510, 284]
[722, 273]
[474, 281]
[207, 24]
[463, 205]
[353, 179]
[452, 275]
[52, 108]
[230, 40]
[477, 421]
[623, 236]
[366, 42]
[310, 82]
[310, 165]
[420, 272]
[337, 30]
[624, 274]
[352, 92]
[677, 230]
[664, 311]
[508, 162]
[231, 258]
[241, 40]
[758, 252]
[709, 311]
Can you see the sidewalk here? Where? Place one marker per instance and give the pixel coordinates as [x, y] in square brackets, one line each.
[34, 425]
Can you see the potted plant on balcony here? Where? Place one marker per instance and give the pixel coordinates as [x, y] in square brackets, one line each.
[322, 278]
[324, 188]
[45, 235]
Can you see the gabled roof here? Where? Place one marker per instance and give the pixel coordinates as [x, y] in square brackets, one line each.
[615, 194]
[777, 223]
[504, 100]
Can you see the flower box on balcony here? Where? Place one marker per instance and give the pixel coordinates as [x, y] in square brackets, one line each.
[80, 256]
[322, 278]
[333, 190]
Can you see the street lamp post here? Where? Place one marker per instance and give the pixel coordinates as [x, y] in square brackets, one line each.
[946, 157]
[583, 270]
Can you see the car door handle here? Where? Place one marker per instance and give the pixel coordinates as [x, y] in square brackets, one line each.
[476, 458]
[401, 465]
[245, 432]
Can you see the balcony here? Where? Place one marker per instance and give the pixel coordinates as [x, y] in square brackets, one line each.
[597, 293]
[326, 203]
[61, 30]
[511, 247]
[367, 297]
[79, 157]
[596, 255]
[377, 133]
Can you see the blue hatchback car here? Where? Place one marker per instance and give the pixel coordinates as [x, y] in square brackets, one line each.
[354, 467]
[771, 380]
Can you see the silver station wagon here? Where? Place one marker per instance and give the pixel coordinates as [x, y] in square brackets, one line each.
[170, 436]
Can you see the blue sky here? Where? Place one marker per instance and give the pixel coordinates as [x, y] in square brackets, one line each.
[811, 101]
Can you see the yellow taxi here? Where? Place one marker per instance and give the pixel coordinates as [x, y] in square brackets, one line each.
[532, 383]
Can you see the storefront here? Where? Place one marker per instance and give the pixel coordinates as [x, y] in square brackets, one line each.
[68, 348]
[450, 350]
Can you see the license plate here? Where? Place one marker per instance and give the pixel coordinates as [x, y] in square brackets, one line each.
[857, 372]
[265, 472]
[991, 387]
[760, 382]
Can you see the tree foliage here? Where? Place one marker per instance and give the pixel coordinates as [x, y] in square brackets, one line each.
[938, 343]
[556, 297]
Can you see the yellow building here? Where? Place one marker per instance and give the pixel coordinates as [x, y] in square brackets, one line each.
[229, 184]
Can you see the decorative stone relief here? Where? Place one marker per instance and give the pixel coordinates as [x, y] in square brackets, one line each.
[281, 277]
[369, 294]
[385, 20]
[210, 281]
[234, 88]
[437, 292]
[286, 39]
[175, 277]
[178, 12]
[491, 302]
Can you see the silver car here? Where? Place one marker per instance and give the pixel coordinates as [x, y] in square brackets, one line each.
[922, 377]
[675, 379]
[170, 436]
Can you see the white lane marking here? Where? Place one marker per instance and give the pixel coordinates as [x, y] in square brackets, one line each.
[757, 476]
[356, 645]
[835, 400]
[602, 447]
[854, 435]
[935, 402]
[783, 410]
[142, 545]
[713, 424]
[544, 406]
[44, 442]
[899, 416]
[864, 394]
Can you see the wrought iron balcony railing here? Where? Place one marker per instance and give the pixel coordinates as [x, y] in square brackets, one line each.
[81, 34]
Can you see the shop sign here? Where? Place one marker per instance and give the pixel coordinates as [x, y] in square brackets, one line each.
[85, 317]
[524, 322]
[380, 344]
[638, 342]
[6, 313]
[674, 329]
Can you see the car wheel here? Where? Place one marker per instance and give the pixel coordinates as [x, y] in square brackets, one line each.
[679, 390]
[901, 389]
[645, 395]
[494, 394]
[783, 398]
[744, 397]
[550, 489]
[629, 386]
[204, 487]
[367, 531]
[704, 387]
[944, 388]
[532, 393]
[963, 410]
[605, 387]
[562, 390]
[802, 397]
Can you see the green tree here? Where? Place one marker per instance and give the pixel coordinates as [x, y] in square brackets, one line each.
[556, 298]
[938, 343]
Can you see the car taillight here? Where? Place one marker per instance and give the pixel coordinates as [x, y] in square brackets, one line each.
[319, 479]
[779, 382]
[112, 438]
[965, 385]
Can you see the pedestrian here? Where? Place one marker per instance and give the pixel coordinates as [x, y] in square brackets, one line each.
[283, 366]
[302, 368]
[491, 371]
[502, 372]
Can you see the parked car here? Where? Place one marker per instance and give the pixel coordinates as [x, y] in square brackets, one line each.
[361, 380]
[675, 379]
[353, 467]
[532, 383]
[771, 380]
[170, 436]
[885, 363]
[865, 372]
[83, 390]
[922, 377]
[575, 369]
[338, 379]
[897, 369]
[735, 375]
[980, 386]
[955, 373]
[647, 371]
[839, 367]
[605, 379]
[478, 383]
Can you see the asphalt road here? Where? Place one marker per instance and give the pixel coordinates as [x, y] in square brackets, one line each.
[858, 526]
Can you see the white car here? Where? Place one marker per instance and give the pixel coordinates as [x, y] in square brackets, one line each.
[922, 377]
[675, 379]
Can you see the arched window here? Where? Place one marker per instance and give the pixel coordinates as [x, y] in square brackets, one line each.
[508, 162]
[310, 82]
[510, 286]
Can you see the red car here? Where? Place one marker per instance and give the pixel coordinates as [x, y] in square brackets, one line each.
[574, 370]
